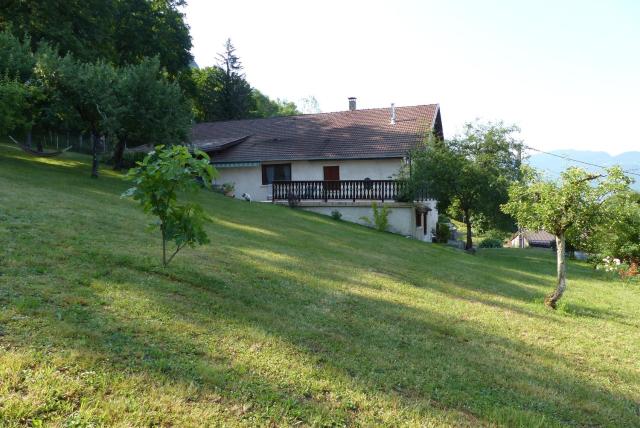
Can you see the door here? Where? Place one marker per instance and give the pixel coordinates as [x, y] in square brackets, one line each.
[331, 173]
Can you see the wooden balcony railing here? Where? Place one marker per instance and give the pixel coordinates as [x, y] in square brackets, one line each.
[375, 190]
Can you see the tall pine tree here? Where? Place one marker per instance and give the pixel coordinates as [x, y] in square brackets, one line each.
[235, 94]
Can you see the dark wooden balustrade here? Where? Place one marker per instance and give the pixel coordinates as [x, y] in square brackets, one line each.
[379, 190]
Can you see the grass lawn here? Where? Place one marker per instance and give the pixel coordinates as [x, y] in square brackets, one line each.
[288, 318]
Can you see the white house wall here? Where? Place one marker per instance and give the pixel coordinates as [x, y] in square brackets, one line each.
[249, 179]
[375, 169]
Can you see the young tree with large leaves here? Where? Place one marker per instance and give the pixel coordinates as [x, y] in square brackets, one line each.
[164, 174]
[570, 207]
[152, 110]
[471, 172]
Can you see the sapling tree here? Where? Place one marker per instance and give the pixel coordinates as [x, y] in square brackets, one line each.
[569, 207]
[165, 173]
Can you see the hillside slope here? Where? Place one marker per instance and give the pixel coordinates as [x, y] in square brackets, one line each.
[288, 318]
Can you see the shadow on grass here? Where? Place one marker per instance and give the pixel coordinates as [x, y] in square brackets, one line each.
[421, 359]
[302, 303]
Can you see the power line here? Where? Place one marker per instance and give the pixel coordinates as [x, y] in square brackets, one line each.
[576, 160]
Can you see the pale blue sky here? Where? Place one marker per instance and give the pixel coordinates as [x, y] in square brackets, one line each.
[567, 72]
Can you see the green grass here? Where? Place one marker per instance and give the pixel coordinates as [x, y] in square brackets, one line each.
[288, 318]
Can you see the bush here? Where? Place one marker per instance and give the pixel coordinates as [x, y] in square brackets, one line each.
[443, 219]
[228, 188]
[491, 243]
[380, 217]
[443, 233]
[336, 215]
[293, 200]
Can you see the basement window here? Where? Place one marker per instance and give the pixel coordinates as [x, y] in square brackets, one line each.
[276, 172]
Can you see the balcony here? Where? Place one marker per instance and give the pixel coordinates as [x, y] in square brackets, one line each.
[353, 190]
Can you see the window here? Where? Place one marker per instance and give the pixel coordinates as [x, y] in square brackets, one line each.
[276, 172]
[418, 218]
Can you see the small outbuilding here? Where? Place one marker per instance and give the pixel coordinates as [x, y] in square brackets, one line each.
[529, 238]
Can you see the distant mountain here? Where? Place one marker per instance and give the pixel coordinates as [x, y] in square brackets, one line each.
[552, 166]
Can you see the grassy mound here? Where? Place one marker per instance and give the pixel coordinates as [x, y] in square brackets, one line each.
[288, 318]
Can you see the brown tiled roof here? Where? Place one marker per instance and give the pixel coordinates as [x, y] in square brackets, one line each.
[206, 145]
[359, 134]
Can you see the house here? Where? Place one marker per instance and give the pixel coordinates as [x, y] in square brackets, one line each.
[342, 161]
[527, 238]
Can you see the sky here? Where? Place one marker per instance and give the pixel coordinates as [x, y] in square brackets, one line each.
[566, 72]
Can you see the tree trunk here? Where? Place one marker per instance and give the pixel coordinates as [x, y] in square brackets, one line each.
[467, 220]
[118, 155]
[553, 298]
[164, 246]
[94, 155]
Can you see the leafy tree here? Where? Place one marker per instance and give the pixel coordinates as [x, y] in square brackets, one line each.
[207, 105]
[81, 27]
[159, 30]
[116, 31]
[569, 207]
[16, 57]
[158, 179]
[470, 173]
[152, 109]
[89, 90]
[266, 107]
[13, 105]
[619, 237]
[16, 69]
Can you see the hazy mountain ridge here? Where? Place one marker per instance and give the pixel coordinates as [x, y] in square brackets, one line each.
[552, 166]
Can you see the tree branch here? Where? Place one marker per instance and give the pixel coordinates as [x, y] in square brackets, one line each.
[180, 247]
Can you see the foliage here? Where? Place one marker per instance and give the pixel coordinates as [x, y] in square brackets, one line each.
[152, 109]
[115, 31]
[569, 208]
[90, 90]
[443, 232]
[619, 237]
[16, 58]
[158, 179]
[490, 243]
[471, 172]
[235, 92]
[336, 215]
[287, 319]
[443, 218]
[263, 106]
[13, 105]
[228, 188]
[380, 217]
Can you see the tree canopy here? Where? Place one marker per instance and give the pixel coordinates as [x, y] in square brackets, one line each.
[94, 30]
[152, 109]
[221, 92]
[471, 172]
[568, 208]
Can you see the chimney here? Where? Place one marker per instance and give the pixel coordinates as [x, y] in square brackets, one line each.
[352, 103]
[393, 114]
